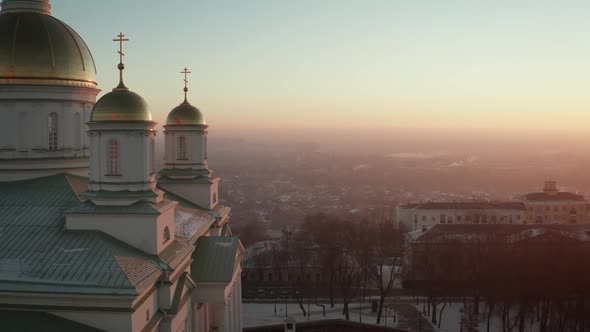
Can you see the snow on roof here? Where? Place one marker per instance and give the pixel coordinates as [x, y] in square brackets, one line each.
[189, 221]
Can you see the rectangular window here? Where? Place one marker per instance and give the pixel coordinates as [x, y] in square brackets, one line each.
[52, 131]
[114, 166]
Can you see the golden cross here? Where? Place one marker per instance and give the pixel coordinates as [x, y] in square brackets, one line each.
[185, 71]
[121, 40]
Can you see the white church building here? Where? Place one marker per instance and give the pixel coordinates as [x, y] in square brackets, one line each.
[92, 237]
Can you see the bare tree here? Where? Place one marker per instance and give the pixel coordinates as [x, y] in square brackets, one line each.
[387, 257]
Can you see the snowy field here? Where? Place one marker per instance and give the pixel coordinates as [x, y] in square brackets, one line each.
[452, 316]
[259, 314]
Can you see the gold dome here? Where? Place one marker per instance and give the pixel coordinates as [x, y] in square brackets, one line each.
[120, 105]
[36, 48]
[185, 114]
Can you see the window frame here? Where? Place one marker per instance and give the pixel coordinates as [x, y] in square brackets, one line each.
[114, 158]
[182, 154]
[52, 132]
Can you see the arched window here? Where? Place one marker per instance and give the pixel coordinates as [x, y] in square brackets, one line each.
[166, 234]
[114, 164]
[52, 131]
[182, 147]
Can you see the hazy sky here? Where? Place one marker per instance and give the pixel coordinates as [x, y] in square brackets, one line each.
[340, 63]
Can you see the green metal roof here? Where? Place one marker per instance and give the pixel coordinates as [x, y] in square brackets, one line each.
[38, 255]
[33, 321]
[214, 259]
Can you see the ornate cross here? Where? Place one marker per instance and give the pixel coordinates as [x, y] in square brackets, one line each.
[185, 71]
[121, 66]
[121, 40]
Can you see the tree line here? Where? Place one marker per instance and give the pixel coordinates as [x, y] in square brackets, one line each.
[531, 282]
[358, 258]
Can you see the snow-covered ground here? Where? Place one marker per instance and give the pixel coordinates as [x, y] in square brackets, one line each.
[452, 316]
[259, 314]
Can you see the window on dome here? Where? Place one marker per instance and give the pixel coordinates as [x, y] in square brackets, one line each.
[52, 131]
[166, 234]
[182, 147]
[113, 158]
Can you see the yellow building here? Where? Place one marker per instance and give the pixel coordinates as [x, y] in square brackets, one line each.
[552, 206]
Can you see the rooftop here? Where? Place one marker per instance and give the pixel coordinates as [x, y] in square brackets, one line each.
[37, 254]
[558, 196]
[214, 259]
[501, 233]
[483, 205]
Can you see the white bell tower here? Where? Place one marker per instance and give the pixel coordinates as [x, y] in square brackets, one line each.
[186, 172]
[122, 199]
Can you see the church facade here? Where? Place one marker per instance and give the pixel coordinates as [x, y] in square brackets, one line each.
[92, 236]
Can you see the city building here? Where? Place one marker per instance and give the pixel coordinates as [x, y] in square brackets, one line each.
[422, 216]
[552, 206]
[275, 266]
[92, 237]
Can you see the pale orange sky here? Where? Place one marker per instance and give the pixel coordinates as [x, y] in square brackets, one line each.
[350, 63]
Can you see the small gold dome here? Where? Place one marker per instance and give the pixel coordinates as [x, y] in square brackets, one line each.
[185, 114]
[120, 105]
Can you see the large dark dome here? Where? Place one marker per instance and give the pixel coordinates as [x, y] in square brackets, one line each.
[36, 48]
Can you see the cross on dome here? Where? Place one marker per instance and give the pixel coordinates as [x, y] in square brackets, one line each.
[185, 71]
[121, 66]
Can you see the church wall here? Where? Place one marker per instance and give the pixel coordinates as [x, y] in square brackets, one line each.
[9, 124]
[142, 315]
[166, 219]
[134, 156]
[179, 321]
[24, 112]
[139, 230]
[195, 148]
[198, 193]
[145, 232]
